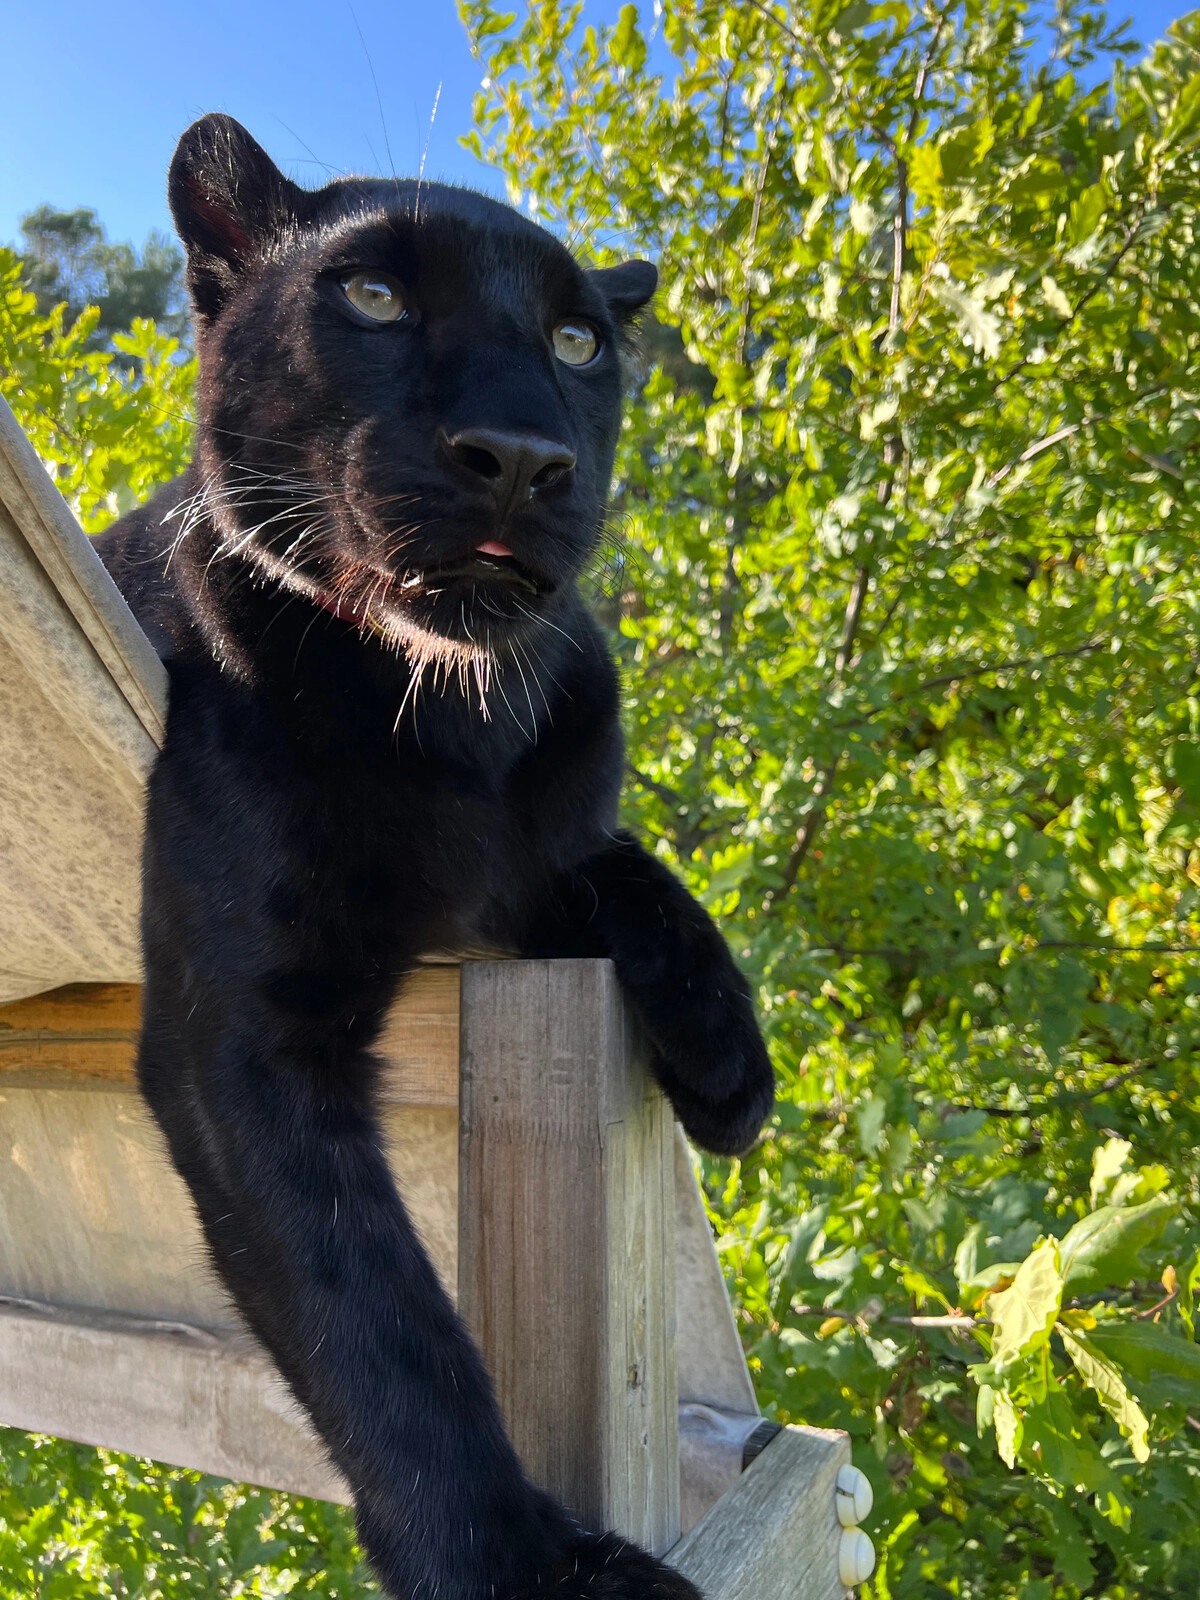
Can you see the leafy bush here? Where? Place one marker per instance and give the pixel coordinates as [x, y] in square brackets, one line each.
[908, 616]
[110, 425]
[75, 1521]
[69, 261]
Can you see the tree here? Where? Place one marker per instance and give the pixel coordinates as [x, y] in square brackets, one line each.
[110, 424]
[67, 258]
[910, 505]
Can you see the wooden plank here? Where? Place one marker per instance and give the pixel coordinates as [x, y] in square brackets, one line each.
[174, 1392]
[82, 706]
[566, 1221]
[775, 1533]
[92, 1213]
[89, 1032]
[84, 1030]
[73, 763]
[64, 552]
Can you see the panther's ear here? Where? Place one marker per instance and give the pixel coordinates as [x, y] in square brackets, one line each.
[627, 288]
[229, 200]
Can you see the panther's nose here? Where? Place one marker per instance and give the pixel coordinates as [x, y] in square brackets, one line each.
[512, 467]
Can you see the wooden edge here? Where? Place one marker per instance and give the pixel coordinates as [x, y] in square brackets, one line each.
[775, 1534]
[712, 1364]
[85, 1035]
[179, 1394]
[46, 522]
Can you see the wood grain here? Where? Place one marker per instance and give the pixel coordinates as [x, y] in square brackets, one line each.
[566, 1222]
[82, 703]
[69, 560]
[774, 1535]
[212, 1402]
[88, 1032]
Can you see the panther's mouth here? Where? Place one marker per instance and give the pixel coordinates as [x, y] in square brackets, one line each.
[489, 563]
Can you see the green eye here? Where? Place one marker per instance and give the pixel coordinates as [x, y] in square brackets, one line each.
[376, 294]
[575, 343]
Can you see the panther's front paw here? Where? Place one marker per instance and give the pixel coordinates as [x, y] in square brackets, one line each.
[719, 1079]
[606, 1567]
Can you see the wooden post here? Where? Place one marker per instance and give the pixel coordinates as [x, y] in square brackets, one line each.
[566, 1222]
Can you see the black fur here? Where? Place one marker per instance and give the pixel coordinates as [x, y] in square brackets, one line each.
[333, 799]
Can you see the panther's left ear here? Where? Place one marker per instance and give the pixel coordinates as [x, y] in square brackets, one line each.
[229, 201]
[627, 288]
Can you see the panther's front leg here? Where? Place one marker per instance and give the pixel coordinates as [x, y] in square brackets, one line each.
[274, 929]
[708, 1053]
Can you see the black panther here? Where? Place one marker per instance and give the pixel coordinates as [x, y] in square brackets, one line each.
[393, 727]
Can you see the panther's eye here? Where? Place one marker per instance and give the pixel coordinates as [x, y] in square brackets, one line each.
[576, 343]
[376, 294]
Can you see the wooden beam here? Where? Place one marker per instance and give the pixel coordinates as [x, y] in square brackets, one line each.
[775, 1533]
[47, 526]
[82, 706]
[209, 1401]
[88, 1032]
[566, 1221]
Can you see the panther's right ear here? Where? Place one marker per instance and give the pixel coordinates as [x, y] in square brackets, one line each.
[229, 201]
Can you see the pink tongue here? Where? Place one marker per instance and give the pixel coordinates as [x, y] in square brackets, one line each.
[492, 547]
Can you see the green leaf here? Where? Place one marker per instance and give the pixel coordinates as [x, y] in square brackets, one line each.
[1057, 1441]
[1162, 1368]
[1104, 1250]
[625, 45]
[975, 321]
[1025, 1313]
[1107, 1161]
[1188, 1285]
[1097, 1370]
[1055, 298]
[872, 1115]
[1010, 1431]
[1086, 212]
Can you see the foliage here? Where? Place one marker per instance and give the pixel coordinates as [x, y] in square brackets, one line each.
[909, 624]
[69, 261]
[75, 1521]
[110, 431]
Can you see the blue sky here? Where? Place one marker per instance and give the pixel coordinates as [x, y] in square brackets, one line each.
[92, 106]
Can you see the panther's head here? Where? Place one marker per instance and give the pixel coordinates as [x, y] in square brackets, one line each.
[409, 394]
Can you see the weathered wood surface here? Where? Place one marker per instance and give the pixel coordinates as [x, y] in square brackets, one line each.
[82, 704]
[93, 1215]
[84, 1037]
[65, 553]
[774, 1535]
[209, 1401]
[712, 1367]
[566, 1223]
[91, 1211]
[90, 1031]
